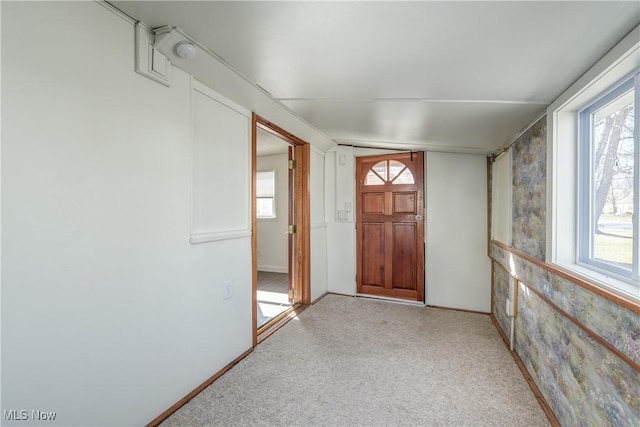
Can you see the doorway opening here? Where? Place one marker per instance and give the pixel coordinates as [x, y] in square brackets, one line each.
[280, 238]
[275, 206]
[390, 226]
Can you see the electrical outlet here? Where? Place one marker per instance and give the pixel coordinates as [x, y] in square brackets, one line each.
[509, 307]
[227, 291]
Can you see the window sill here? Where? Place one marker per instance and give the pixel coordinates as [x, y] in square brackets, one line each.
[604, 281]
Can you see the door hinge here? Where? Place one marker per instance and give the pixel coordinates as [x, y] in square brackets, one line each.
[292, 294]
[292, 164]
[292, 229]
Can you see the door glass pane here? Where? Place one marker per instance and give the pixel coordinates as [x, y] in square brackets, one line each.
[612, 181]
[381, 169]
[373, 179]
[406, 177]
[395, 167]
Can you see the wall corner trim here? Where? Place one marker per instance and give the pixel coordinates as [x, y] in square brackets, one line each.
[149, 61]
[111, 8]
[317, 150]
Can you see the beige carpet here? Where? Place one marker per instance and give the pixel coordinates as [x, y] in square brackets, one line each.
[351, 361]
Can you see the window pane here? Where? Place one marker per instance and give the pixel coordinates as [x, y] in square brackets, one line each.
[265, 208]
[612, 181]
[265, 183]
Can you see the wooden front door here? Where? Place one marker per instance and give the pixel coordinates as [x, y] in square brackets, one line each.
[390, 225]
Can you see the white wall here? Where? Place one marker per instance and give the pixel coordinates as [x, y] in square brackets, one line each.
[272, 238]
[458, 268]
[318, 227]
[109, 314]
[341, 250]
[340, 164]
[220, 129]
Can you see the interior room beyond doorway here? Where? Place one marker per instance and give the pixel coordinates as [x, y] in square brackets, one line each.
[272, 202]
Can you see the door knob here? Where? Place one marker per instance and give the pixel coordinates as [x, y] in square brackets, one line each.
[418, 217]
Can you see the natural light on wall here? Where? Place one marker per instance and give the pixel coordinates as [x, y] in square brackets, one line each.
[501, 195]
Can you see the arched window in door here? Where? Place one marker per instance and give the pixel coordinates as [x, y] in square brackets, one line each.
[389, 172]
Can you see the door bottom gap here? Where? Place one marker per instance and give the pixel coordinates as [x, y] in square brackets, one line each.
[394, 300]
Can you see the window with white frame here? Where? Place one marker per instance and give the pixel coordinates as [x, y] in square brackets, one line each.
[266, 193]
[593, 173]
[608, 181]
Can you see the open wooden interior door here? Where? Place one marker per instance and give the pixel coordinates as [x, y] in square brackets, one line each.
[390, 226]
[292, 225]
[298, 229]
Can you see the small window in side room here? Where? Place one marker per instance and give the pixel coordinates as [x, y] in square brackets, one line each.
[608, 182]
[266, 194]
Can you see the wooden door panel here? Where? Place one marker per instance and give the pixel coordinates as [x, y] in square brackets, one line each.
[389, 225]
[404, 256]
[373, 244]
[404, 203]
[373, 203]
